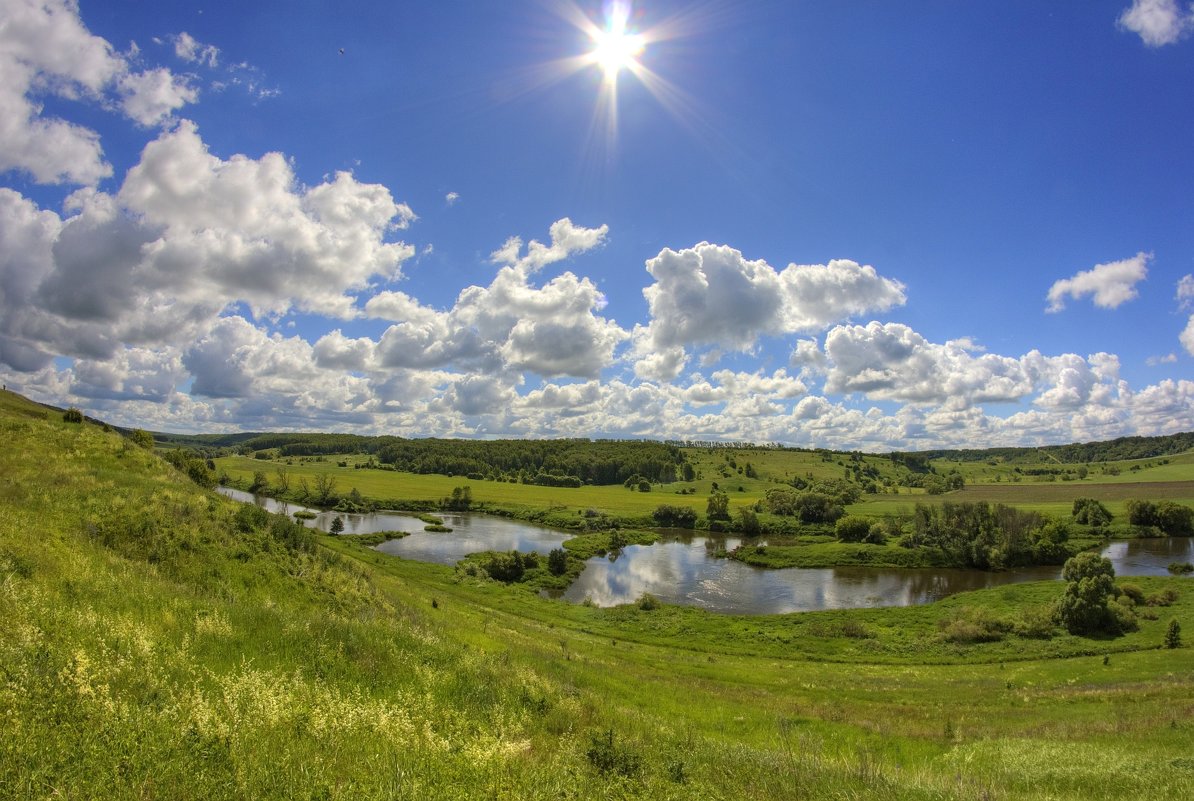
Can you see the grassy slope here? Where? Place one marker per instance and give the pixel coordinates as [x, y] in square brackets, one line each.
[149, 649]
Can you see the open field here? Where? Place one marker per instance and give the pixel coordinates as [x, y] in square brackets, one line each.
[157, 640]
[1053, 498]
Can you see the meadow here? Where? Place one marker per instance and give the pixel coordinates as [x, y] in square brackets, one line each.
[725, 469]
[159, 641]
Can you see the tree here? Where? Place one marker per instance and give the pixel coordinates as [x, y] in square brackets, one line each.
[674, 516]
[72, 415]
[283, 482]
[748, 522]
[337, 526]
[718, 506]
[557, 561]
[853, 529]
[325, 488]
[142, 438]
[1083, 608]
[260, 482]
[1173, 634]
[1090, 512]
[461, 500]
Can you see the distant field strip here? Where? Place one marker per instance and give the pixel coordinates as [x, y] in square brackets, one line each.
[1068, 491]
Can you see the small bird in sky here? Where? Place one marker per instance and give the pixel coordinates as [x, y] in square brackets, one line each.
[341, 51]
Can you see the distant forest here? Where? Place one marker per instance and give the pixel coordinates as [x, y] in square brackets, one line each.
[1078, 453]
[552, 462]
[569, 462]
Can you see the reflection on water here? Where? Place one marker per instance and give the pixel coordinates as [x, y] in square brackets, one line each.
[683, 569]
[470, 533]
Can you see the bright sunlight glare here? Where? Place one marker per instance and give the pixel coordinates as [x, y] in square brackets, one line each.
[616, 48]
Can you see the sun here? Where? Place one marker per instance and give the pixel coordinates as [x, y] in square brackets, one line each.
[616, 48]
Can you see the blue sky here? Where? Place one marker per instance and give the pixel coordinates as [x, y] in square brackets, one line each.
[857, 225]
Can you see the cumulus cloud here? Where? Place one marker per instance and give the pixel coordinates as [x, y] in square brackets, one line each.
[451, 198]
[712, 295]
[511, 324]
[893, 362]
[1187, 336]
[1157, 22]
[1109, 285]
[189, 49]
[567, 239]
[152, 96]
[1185, 292]
[45, 48]
[187, 235]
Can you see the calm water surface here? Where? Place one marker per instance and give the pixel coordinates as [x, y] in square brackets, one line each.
[681, 569]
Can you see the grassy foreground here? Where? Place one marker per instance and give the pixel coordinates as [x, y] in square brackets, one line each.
[156, 641]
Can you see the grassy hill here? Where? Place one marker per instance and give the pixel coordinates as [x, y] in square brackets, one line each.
[158, 641]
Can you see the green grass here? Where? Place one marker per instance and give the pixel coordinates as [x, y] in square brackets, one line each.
[154, 646]
[1172, 481]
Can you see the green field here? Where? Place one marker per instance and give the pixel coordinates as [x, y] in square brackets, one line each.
[1173, 480]
[159, 641]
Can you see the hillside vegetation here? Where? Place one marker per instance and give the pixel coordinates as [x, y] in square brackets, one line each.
[158, 641]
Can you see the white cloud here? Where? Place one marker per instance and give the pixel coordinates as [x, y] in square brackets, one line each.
[187, 235]
[893, 362]
[451, 198]
[712, 295]
[567, 239]
[152, 96]
[1109, 285]
[334, 351]
[188, 49]
[1157, 22]
[512, 325]
[1187, 336]
[1185, 292]
[46, 49]
[1156, 361]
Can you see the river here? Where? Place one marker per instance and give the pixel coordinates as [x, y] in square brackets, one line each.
[681, 569]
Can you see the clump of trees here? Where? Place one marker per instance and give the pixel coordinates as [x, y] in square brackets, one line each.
[864, 529]
[1089, 512]
[988, 537]
[1166, 517]
[718, 506]
[461, 499]
[557, 561]
[72, 415]
[200, 470]
[142, 438]
[809, 507]
[669, 516]
[1091, 602]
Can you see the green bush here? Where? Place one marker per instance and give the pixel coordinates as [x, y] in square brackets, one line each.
[1090, 512]
[608, 757]
[647, 602]
[1084, 608]
[72, 415]
[1173, 634]
[852, 529]
[557, 561]
[675, 516]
